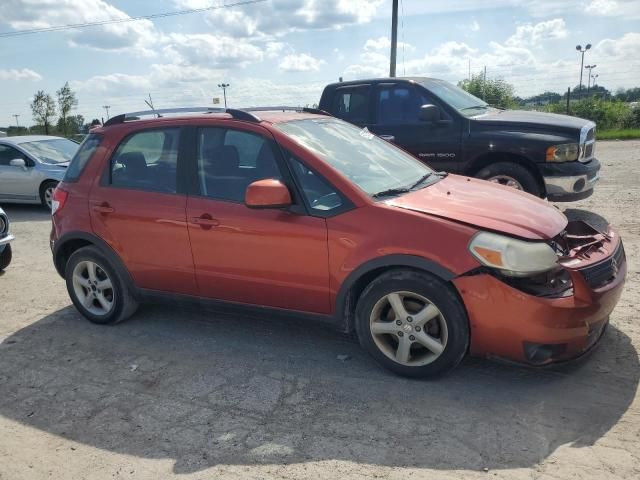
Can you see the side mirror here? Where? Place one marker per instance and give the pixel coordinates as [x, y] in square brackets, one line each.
[18, 162]
[429, 113]
[267, 193]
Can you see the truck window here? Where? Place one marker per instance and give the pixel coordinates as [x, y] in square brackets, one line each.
[399, 104]
[352, 104]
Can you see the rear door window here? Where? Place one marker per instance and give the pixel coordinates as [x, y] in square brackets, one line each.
[352, 104]
[147, 160]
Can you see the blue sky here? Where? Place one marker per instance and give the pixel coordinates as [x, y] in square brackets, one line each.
[285, 51]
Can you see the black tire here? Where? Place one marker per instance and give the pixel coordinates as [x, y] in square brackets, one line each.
[46, 186]
[440, 295]
[124, 304]
[510, 169]
[5, 257]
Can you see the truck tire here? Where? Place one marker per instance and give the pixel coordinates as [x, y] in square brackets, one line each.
[511, 174]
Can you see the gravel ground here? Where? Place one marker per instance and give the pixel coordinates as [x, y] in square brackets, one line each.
[197, 394]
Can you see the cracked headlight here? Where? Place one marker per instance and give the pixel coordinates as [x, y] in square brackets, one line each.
[511, 256]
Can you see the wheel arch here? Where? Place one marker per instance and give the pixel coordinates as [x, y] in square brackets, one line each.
[488, 158]
[358, 279]
[72, 241]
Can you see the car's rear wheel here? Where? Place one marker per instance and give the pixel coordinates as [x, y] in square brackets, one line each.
[46, 193]
[5, 257]
[511, 174]
[96, 288]
[412, 323]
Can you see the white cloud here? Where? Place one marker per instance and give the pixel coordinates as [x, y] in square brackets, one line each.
[625, 47]
[613, 8]
[301, 62]
[532, 35]
[384, 44]
[20, 74]
[136, 37]
[475, 26]
[277, 17]
[210, 50]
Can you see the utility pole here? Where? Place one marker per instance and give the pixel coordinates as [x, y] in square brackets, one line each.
[484, 85]
[107, 107]
[394, 39]
[589, 67]
[224, 87]
[469, 68]
[16, 117]
[582, 50]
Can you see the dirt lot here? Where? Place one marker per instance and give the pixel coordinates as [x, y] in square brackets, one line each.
[175, 392]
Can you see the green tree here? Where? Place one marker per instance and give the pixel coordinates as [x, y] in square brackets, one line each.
[43, 109]
[72, 125]
[495, 92]
[66, 102]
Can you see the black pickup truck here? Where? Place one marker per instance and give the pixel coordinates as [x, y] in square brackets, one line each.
[545, 154]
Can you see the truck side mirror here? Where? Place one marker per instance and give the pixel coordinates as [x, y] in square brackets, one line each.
[429, 113]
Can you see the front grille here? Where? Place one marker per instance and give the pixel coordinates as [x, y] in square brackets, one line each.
[588, 150]
[602, 273]
[591, 134]
[587, 143]
[4, 224]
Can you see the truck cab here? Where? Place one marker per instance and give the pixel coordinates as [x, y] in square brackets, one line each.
[545, 154]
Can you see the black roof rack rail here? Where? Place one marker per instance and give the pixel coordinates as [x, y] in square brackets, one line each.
[239, 114]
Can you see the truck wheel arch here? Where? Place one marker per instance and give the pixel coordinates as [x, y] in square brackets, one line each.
[488, 158]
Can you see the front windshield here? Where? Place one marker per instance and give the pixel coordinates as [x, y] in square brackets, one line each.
[462, 101]
[371, 163]
[56, 150]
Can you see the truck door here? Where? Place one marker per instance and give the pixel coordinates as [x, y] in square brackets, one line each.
[397, 119]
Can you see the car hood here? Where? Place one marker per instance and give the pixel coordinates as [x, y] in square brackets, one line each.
[486, 205]
[533, 120]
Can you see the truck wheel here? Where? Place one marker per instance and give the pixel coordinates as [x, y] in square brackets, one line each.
[512, 175]
[412, 323]
[5, 257]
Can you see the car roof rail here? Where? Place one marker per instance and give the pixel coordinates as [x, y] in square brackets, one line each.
[239, 114]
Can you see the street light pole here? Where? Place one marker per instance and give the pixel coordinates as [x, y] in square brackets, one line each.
[589, 67]
[581, 50]
[224, 87]
[16, 117]
[394, 39]
[107, 107]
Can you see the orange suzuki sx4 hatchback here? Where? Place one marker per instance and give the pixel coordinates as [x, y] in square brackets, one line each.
[292, 210]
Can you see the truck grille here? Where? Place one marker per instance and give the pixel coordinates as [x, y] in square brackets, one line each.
[602, 273]
[4, 226]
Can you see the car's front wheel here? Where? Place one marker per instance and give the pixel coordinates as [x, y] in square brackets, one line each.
[412, 323]
[96, 288]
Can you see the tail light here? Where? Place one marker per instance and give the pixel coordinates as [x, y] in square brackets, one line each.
[59, 199]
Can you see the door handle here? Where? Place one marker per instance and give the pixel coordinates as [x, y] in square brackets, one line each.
[388, 138]
[205, 221]
[103, 208]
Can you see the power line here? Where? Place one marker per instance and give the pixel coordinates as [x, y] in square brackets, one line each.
[70, 26]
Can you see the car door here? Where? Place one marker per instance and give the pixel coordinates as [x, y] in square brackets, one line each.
[17, 183]
[267, 257]
[138, 208]
[397, 119]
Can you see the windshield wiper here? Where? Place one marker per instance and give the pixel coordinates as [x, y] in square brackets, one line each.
[391, 191]
[422, 179]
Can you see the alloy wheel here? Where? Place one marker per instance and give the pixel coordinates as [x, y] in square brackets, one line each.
[93, 288]
[507, 181]
[408, 328]
[48, 196]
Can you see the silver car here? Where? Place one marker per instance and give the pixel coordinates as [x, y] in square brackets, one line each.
[31, 166]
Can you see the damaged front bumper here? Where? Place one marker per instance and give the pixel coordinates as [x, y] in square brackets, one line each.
[535, 329]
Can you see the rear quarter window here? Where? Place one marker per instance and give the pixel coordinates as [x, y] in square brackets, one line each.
[81, 158]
